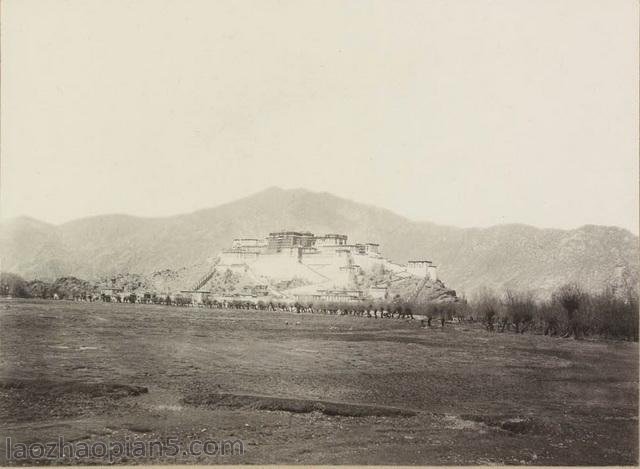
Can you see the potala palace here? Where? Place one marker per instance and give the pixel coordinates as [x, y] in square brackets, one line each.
[329, 265]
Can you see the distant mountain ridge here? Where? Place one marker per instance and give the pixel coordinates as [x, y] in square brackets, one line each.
[515, 256]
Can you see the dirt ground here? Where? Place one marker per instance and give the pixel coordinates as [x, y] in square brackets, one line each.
[311, 389]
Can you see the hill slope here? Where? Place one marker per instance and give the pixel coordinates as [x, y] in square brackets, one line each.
[517, 256]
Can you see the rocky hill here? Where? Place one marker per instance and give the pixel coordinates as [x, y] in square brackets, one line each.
[514, 256]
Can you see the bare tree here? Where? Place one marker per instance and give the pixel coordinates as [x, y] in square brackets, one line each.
[487, 305]
[520, 309]
[571, 297]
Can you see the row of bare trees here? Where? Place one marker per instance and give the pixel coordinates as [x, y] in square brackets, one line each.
[570, 312]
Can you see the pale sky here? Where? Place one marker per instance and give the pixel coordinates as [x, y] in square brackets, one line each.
[467, 113]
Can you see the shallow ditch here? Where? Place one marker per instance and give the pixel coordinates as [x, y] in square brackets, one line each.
[55, 389]
[270, 403]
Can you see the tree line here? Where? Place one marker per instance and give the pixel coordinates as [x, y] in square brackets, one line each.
[570, 312]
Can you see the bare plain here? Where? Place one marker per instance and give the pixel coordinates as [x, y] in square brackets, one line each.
[312, 388]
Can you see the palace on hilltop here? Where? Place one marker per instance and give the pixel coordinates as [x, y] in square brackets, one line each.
[329, 260]
[297, 244]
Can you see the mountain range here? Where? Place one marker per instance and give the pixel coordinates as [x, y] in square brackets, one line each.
[503, 256]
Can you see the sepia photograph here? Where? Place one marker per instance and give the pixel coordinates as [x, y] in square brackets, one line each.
[319, 232]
